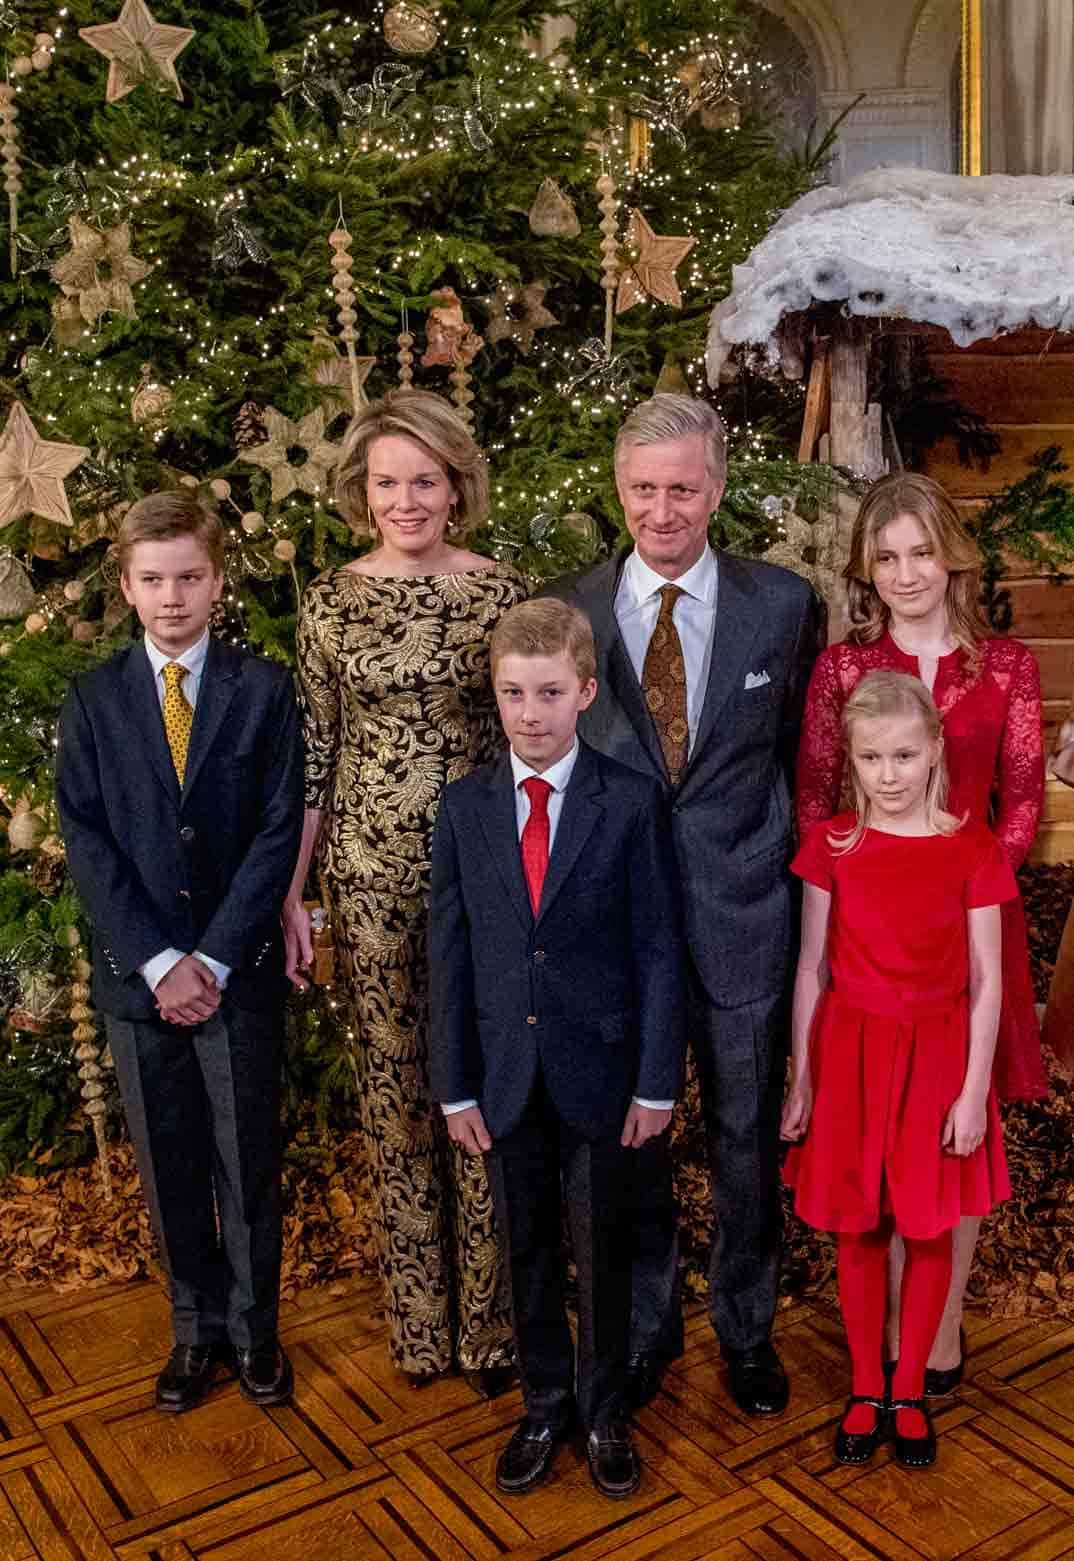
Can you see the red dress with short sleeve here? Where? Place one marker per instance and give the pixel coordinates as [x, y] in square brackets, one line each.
[995, 760]
[890, 1037]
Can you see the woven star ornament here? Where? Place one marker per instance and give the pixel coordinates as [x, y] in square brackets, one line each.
[32, 470]
[651, 274]
[138, 48]
[307, 435]
[99, 269]
[516, 313]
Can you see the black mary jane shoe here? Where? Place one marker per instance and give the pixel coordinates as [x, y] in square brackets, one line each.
[860, 1446]
[913, 1452]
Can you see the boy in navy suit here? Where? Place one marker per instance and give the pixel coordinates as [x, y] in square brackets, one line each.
[556, 972]
[179, 783]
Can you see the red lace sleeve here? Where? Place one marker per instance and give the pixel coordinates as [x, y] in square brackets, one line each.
[819, 775]
[1019, 795]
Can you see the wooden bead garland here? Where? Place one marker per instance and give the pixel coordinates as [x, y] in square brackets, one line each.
[340, 241]
[9, 151]
[89, 1057]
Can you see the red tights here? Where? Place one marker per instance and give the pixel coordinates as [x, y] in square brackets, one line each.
[863, 1288]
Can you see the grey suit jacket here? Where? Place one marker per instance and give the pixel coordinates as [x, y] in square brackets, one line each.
[731, 813]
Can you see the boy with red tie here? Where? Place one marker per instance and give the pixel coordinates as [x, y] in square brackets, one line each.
[556, 975]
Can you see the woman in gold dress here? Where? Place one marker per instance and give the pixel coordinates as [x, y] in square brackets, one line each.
[397, 698]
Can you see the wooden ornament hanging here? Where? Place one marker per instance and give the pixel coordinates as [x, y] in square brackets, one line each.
[17, 594]
[552, 214]
[340, 241]
[89, 1055]
[138, 48]
[461, 394]
[410, 28]
[651, 273]
[9, 151]
[152, 400]
[609, 252]
[32, 471]
[99, 270]
[405, 357]
[517, 313]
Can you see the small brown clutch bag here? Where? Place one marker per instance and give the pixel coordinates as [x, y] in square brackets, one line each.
[323, 970]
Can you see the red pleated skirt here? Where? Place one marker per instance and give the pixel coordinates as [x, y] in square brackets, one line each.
[882, 1088]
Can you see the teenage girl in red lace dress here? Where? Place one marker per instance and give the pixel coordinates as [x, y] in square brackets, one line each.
[913, 596]
[896, 1009]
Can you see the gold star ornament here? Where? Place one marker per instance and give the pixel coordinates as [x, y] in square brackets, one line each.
[98, 270]
[651, 273]
[138, 48]
[287, 439]
[32, 470]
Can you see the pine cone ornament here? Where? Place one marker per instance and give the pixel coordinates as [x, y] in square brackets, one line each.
[249, 426]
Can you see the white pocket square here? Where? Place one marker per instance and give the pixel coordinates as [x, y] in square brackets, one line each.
[757, 679]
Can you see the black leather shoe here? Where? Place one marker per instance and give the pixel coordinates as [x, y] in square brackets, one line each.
[265, 1375]
[644, 1375]
[190, 1373]
[941, 1381]
[859, 1446]
[490, 1381]
[913, 1452]
[613, 1463]
[758, 1381]
[528, 1456]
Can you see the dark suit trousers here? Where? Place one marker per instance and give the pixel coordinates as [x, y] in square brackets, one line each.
[740, 1055]
[203, 1107]
[525, 1170]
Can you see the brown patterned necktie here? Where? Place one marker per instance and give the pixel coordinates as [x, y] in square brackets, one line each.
[178, 716]
[663, 682]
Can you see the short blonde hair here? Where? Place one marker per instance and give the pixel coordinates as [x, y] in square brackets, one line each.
[161, 516]
[546, 626]
[878, 696]
[669, 416]
[434, 424]
[911, 493]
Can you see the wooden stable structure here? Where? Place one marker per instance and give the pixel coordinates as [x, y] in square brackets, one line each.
[1022, 383]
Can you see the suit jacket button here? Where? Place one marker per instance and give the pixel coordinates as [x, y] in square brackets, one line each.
[186, 834]
[539, 956]
[531, 1018]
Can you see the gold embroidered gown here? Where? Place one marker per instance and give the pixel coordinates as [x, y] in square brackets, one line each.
[397, 701]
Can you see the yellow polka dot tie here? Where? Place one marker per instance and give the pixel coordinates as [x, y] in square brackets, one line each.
[178, 716]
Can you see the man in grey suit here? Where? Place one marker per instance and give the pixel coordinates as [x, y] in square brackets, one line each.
[703, 661]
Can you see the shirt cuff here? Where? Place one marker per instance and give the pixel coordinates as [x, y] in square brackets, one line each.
[655, 1105]
[456, 1106]
[154, 970]
[221, 972]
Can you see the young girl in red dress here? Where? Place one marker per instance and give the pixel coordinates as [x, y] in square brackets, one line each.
[896, 1008]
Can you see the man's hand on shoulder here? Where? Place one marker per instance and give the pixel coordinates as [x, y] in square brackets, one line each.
[188, 994]
[468, 1129]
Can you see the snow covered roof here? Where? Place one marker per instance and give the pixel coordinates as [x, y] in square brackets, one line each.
[977, 255]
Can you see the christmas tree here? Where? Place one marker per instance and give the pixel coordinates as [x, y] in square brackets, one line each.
[230, 223]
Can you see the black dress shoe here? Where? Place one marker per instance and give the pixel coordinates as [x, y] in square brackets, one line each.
[859, 1446]
[490, 1381]
[913, 1452]
[613, 1463]
[190, 1373]
[758, 1381]
[644, 1375]
[265, 1375]
[528, 1456]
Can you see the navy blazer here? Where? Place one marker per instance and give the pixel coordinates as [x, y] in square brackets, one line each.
[205, 865]
[731, 812]
[590, 991]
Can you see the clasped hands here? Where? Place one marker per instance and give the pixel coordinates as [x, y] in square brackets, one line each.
[467, 1128]
[188, 994]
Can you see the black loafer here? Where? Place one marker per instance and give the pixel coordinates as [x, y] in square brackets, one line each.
[645, 1373]
[758, 1381]
[528, 1456]
[190, 1373]
[913, 1452]
[265, 1375]
[613, 1463]
[859, 1446]
[490, 1381]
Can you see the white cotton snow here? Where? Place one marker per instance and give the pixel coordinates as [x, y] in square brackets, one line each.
[979, 256]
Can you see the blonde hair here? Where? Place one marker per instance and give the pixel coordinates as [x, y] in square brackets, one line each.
[910, 493]
[160, 517]
[882, 694]
[431, 422]
[546, 626]
[670, 416]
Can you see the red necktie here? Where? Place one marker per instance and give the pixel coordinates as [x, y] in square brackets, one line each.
[535, 838]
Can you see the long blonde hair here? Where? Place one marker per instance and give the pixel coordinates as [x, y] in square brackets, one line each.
[910, 493]
[882, 694]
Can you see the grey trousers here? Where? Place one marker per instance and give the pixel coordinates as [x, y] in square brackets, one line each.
[740, 1055]
[203, 1105]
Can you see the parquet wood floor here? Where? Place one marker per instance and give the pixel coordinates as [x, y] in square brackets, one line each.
[361, 1466]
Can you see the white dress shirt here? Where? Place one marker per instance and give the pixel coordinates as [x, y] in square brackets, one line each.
[637, 607]
[557, 775]
[193, 659]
